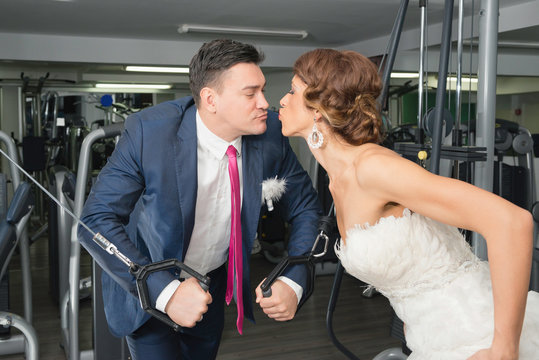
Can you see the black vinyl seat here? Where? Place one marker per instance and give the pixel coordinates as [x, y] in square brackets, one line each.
[20, 205]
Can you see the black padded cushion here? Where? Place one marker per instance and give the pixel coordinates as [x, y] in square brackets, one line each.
[20, 204]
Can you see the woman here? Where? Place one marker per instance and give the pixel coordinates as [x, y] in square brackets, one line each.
[399, 222]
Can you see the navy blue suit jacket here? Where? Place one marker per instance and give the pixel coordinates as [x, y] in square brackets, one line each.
[144, 202]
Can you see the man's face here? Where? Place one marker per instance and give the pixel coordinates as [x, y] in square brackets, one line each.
[240, 103]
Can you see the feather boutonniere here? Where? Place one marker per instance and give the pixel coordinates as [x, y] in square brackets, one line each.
[272, 190]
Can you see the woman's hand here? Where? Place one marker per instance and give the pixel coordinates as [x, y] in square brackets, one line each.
[493, 354]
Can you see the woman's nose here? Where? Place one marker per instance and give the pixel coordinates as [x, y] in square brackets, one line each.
[282, 101]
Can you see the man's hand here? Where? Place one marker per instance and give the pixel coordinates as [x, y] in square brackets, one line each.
[281, 305]
[188, 303]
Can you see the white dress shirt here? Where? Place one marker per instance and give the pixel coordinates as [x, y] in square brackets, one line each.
[210, 240]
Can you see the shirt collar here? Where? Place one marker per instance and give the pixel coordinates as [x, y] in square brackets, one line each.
[213, 143]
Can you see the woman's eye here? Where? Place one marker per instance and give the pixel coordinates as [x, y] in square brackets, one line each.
[291, 92]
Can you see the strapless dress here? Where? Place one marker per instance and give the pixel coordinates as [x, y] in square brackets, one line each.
[435, 284]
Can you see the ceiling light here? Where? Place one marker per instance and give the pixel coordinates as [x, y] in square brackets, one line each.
[132, 86]
[160, 69]
[404, 75]
[463, 79]
[290, 34]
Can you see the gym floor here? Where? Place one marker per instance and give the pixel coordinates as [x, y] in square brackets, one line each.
[362, 325]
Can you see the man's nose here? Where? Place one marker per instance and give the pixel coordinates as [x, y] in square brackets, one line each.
[262, 102]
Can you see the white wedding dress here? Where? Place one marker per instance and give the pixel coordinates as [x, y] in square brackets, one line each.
[435, 284]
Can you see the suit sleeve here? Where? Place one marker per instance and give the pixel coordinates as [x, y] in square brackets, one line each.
[108, 208]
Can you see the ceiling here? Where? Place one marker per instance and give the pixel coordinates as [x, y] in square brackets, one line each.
[329, 23]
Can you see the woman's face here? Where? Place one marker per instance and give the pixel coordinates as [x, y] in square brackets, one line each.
[296, 118]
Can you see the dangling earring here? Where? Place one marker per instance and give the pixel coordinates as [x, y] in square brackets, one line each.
[315, 138]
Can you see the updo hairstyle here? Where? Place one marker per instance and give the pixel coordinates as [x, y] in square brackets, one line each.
[343, 86]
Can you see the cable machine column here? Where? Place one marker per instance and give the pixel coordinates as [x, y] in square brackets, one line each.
[486, 103]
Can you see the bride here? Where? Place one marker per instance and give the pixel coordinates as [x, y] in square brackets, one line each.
[399, 223]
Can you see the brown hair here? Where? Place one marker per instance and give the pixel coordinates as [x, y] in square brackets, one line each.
[343, 86]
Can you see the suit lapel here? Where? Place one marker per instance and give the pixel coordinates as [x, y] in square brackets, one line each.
[186, 172]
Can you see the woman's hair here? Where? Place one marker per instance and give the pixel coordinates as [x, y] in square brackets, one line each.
[343, 86]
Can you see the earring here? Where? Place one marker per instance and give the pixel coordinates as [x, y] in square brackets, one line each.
[315, 138]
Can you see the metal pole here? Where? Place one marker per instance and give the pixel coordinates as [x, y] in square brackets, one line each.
[74, 258]
[458, 98]
[392, 53]
[422, 5]
[457, 136]
[30, 335]
[486, 103]
[440, 91]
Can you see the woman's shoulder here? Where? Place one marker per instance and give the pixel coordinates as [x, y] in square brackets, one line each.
[371, 154]
[372, 161]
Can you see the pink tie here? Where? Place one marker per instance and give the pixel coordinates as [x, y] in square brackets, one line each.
[235, 252]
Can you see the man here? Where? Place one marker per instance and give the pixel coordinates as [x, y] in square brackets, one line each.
[172, 189]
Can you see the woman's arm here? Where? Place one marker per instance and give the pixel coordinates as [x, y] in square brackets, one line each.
[506, 227]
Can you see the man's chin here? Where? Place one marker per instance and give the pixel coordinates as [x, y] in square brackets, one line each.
[262, 128]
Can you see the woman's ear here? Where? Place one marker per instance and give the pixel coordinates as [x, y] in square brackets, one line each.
[208, 99]
[317, 115]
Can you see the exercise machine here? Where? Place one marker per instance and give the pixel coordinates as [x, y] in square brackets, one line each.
[11, 227]
[13, 234]
[105, 345]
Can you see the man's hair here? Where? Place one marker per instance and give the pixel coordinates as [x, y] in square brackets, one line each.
[214, 58]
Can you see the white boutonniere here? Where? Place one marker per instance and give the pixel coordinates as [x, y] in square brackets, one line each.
[272, 190]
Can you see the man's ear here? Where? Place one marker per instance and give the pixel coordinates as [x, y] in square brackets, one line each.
[208, 99]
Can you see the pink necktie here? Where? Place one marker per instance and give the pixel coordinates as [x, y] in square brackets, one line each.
[235, 252]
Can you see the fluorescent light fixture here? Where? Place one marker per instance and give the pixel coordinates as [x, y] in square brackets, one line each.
[404, 75]
[159, 69]
[132, 86]
[290, 34]
[463, 79]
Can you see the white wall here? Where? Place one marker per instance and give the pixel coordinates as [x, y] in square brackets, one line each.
[9, 115]
[10, 110]
[528, 104]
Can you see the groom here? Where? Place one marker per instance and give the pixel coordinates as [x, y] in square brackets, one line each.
[184, 182]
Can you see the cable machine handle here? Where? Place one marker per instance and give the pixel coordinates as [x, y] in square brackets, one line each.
[141, 274]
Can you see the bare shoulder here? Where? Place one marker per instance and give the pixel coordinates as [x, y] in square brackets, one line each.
[374, 157]
[378, 167]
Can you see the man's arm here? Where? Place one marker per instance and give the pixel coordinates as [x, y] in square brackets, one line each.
[109, 206]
